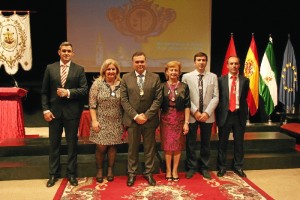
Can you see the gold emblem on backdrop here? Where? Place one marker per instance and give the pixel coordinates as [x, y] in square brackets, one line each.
[15, 42]
[141, 19]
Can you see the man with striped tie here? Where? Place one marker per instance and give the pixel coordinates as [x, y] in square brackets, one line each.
[64, 90]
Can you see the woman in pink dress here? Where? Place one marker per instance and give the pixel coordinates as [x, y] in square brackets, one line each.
[174, 118]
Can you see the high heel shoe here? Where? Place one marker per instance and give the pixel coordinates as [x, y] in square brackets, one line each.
[169, 178]
[110, 178]
[99, 176]
[175, 179]
[99, 179]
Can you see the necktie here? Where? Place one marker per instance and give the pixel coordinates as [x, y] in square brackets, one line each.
[141, 81]
[63, 76]
[232, 99]
[200, 87]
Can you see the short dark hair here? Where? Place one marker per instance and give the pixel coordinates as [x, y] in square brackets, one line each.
[138, 53]
[200, 54]
[65, 43]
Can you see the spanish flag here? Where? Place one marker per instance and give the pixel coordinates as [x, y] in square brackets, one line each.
[251, 71]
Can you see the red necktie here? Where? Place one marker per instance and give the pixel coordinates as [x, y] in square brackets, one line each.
[63, 75]
[232, 98]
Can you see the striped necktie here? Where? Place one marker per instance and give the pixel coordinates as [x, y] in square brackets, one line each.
[63, 75]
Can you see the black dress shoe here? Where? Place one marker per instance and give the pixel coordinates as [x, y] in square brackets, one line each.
[130, 180]
[240, 172]
[189, 174]
[150, 180]
[221, 172]
[51, 181]
[73, 181]
[205, 174]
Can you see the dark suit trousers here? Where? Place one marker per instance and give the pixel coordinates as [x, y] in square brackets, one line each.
[55, 136]
[134, 140]
[232, 124]
[191, 145]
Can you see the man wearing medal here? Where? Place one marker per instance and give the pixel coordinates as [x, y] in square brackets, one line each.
[204, 95]
[141, 97]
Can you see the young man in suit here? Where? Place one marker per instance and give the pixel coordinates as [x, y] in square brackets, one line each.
[63, 91]
[141, 97]
[204, 95]
[232, 118]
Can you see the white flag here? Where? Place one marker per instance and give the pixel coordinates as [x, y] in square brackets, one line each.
[15, 42]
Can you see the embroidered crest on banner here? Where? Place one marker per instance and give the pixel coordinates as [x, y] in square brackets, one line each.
[15, 42]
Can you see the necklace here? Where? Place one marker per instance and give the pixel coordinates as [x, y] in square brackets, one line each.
[172, 90]
[112, 87]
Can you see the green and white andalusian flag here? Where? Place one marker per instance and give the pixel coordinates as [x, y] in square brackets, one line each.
[267, 81]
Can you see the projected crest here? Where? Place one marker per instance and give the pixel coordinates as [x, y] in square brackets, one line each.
[141, 19]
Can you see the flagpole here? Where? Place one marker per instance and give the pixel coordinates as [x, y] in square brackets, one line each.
[270, 121]
[248, 121]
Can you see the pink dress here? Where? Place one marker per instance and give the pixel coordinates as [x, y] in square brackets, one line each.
[171, 126]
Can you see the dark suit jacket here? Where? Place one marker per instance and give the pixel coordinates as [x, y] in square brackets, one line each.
[223, 107]
[182, 98]
[76, 83]
[133, 103]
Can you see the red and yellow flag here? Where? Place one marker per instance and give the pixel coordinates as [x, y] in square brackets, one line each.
[230, 52]
[251, 71]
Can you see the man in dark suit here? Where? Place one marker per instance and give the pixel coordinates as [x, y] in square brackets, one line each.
[141, 97]
[232, 119]
[63, 91]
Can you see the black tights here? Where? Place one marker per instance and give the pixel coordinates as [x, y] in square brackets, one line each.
[101, 150]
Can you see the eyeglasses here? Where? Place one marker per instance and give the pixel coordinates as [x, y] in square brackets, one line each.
[65, 51]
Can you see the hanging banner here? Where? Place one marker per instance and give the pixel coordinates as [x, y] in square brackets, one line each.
[15, 42]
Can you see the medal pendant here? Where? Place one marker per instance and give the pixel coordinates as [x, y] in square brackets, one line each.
[113, 94]
[141, 92]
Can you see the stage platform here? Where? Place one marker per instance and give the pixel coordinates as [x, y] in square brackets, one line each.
[265, 148]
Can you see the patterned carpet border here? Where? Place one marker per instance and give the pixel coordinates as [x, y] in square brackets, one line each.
[228, 187]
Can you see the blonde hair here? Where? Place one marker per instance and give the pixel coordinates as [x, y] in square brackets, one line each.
[170, 64]
[104, 67]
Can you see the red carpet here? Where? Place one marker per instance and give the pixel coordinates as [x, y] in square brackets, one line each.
[228, 187]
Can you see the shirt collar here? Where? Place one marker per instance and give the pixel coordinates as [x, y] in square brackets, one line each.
[68, 64]
[137, 74]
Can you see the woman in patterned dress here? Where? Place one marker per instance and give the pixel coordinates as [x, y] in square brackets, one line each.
[174, 118]
[106, 113]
